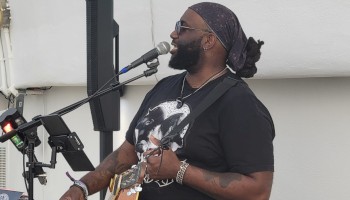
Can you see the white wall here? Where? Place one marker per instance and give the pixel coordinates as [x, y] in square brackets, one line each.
[312, 136]
[3, 103]
[311, 146]
[307, 38]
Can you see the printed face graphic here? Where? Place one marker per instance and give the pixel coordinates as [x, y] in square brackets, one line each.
[157, 123]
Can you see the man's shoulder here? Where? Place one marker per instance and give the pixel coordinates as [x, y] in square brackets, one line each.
[240, 92]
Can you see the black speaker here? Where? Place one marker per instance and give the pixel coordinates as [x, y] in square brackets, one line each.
[101, 31]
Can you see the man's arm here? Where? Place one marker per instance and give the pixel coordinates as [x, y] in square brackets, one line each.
[118, 161]
[233, 186]
[255, 186]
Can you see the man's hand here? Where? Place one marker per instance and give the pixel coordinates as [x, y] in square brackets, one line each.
[163, 165]
[74, 193]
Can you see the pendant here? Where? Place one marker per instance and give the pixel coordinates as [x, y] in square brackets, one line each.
[179, 102]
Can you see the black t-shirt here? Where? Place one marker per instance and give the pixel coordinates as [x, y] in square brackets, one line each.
[233, 135]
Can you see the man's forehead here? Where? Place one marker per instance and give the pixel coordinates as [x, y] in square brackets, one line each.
[191, 18]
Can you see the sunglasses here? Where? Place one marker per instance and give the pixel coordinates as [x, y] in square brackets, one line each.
[179, 26]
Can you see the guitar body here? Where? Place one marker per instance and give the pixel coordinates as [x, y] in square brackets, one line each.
[124, 196]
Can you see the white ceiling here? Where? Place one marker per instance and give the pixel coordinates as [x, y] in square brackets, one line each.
[302, 38]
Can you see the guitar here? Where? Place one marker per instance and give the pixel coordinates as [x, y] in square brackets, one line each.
[127, 185]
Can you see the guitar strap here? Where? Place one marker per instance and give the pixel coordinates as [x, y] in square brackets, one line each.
[215, 94]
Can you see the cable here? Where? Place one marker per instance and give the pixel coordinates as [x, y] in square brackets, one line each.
[24, 169]
[11, 100]
[92, 96]
[152, 31]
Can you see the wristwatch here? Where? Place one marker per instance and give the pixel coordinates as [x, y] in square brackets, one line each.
[82, 186]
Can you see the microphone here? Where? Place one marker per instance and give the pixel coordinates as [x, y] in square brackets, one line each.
[160, 49]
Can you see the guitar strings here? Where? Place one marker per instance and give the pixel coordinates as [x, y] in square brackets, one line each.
[161, 160]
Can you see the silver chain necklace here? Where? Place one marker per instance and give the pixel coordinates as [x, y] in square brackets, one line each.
[180, 99]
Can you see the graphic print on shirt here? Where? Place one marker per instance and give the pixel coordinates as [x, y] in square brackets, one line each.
[158, 122]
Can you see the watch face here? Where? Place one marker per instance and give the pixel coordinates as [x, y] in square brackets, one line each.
[81, 185]
[4, 197]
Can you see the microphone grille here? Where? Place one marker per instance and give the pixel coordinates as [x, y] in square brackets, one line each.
[163, 48]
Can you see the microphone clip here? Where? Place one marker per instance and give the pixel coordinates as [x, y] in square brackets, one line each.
[153, 63]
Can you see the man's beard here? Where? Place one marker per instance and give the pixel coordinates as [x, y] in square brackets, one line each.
[186, 56]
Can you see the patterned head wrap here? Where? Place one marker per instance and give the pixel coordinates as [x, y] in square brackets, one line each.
[224, 23]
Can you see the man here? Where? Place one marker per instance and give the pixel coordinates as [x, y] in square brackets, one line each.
[227, 152]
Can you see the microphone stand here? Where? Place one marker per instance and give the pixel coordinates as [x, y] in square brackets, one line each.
[32, 163]
[113, 87]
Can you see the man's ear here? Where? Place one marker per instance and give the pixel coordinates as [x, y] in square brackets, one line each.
[209, 41]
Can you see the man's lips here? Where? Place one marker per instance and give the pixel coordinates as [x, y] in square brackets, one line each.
[174, 49]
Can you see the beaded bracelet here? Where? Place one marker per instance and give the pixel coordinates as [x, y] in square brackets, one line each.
[180, 174]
